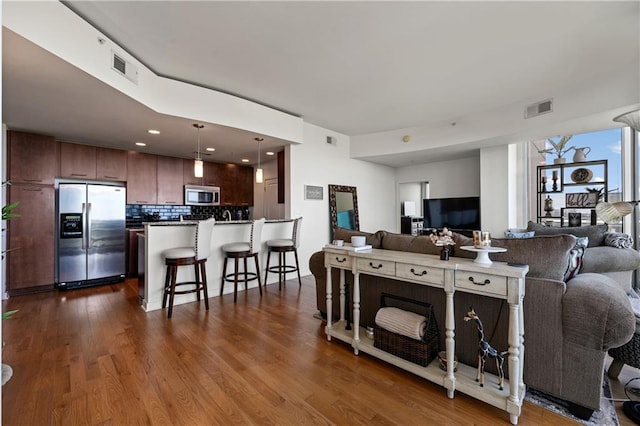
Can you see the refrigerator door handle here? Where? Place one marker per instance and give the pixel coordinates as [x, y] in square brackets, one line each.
[88, 225]
[84, 226]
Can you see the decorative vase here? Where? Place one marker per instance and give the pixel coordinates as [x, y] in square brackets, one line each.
[559, 160]
[444, 253]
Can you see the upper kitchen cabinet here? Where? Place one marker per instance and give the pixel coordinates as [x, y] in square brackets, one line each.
[188, 177]
[170, 176]
[30, 257]
[142, 183]
[32, 158]
[111, 164]
[214, 174]
[236, 187]
[77, 161]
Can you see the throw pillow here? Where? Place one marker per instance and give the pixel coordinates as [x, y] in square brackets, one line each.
[618, 240]
[546, 255]
[575, 258]
[511, 234]
[595, 233]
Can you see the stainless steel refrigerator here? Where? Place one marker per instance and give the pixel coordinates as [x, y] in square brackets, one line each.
[90, 227]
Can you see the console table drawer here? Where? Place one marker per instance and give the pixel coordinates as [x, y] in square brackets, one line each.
[343, 261]
[424, 274]
[376, 267]
[479, 282]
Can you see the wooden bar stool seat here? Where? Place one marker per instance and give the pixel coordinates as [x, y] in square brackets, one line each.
[243, 250]
[187, 256]
[282, 246]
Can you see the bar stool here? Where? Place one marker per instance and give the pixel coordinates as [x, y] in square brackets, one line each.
[183, 256]
[282, 246]
[243, 250]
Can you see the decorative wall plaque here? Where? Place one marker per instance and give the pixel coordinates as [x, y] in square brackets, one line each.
[581, 200]
[313, 192]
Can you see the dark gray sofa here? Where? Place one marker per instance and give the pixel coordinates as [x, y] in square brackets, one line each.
[568, 326]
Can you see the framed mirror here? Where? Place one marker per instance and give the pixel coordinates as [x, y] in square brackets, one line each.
[343, 208]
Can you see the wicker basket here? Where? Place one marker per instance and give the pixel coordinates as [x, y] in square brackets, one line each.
[420, 352]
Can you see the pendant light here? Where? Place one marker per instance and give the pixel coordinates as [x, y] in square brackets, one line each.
[198, 167]
[631, 119]
[259, 177]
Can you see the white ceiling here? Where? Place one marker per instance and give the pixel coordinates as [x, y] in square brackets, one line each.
[352, 67]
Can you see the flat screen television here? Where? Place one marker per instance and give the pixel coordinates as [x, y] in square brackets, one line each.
[453, 213]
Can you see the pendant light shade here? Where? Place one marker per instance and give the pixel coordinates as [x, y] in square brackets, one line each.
[198, 166]
[631, 119]
[259, 176]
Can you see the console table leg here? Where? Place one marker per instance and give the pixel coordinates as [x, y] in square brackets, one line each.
[329, 304]
[513, 402]
[342, 294]
[356, 312]
[450, 343]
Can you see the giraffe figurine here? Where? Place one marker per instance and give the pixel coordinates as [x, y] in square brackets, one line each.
[486, 350]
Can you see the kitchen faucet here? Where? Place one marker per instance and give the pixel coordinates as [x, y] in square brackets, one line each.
[226, 215]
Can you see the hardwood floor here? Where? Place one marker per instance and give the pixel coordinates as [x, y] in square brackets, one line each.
[92, 356]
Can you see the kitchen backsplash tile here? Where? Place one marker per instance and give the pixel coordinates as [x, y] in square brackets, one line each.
[138, 213]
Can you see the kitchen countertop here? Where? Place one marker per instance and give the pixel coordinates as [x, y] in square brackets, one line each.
[218, 222]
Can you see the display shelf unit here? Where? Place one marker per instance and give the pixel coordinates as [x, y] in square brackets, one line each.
[557, 182]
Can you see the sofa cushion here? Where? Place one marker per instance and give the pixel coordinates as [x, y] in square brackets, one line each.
[546, 255]
[609, 259]
[512, 234]
[375, 240]
[596, 233]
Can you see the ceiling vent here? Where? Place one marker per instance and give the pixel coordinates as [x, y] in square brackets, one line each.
[124, 67]
[539, 108]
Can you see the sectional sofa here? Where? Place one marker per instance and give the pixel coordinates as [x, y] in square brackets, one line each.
[569, 326]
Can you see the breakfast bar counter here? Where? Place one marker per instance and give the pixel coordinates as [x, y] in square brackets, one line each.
[164, 235]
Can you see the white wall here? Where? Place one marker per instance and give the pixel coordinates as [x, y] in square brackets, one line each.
[503, 180]
[320, 164]
[454, 178]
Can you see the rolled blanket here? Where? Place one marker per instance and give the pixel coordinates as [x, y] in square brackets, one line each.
[402, 322]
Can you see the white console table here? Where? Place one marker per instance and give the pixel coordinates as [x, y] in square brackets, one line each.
[496, 280]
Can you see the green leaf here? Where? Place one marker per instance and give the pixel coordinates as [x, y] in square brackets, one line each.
[8, 314]
[7, 211]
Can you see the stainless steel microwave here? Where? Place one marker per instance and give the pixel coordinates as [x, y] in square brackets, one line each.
[195, 195]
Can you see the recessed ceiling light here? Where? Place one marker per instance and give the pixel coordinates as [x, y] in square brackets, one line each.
[211, 149]
[270, 153]
[153, 132]
[141, 144]
[245, 160]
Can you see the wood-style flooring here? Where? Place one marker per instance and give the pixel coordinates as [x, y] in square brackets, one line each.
[94, 357]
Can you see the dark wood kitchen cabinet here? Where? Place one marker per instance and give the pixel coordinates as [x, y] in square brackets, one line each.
[214, 174]
[236, 188]
[77, 161]
[142, 185]
[111, 164]
[30, 259]
[170, 175]
[33, 158]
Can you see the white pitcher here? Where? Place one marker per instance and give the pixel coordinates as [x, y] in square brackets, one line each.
[581, 154]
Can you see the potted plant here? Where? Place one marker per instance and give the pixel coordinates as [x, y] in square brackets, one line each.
[559, 148]
[7, 214]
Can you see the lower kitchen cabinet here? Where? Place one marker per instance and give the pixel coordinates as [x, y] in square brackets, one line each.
[30, 258]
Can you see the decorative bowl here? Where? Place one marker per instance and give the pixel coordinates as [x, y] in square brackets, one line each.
[358, 241]
[442, 361]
